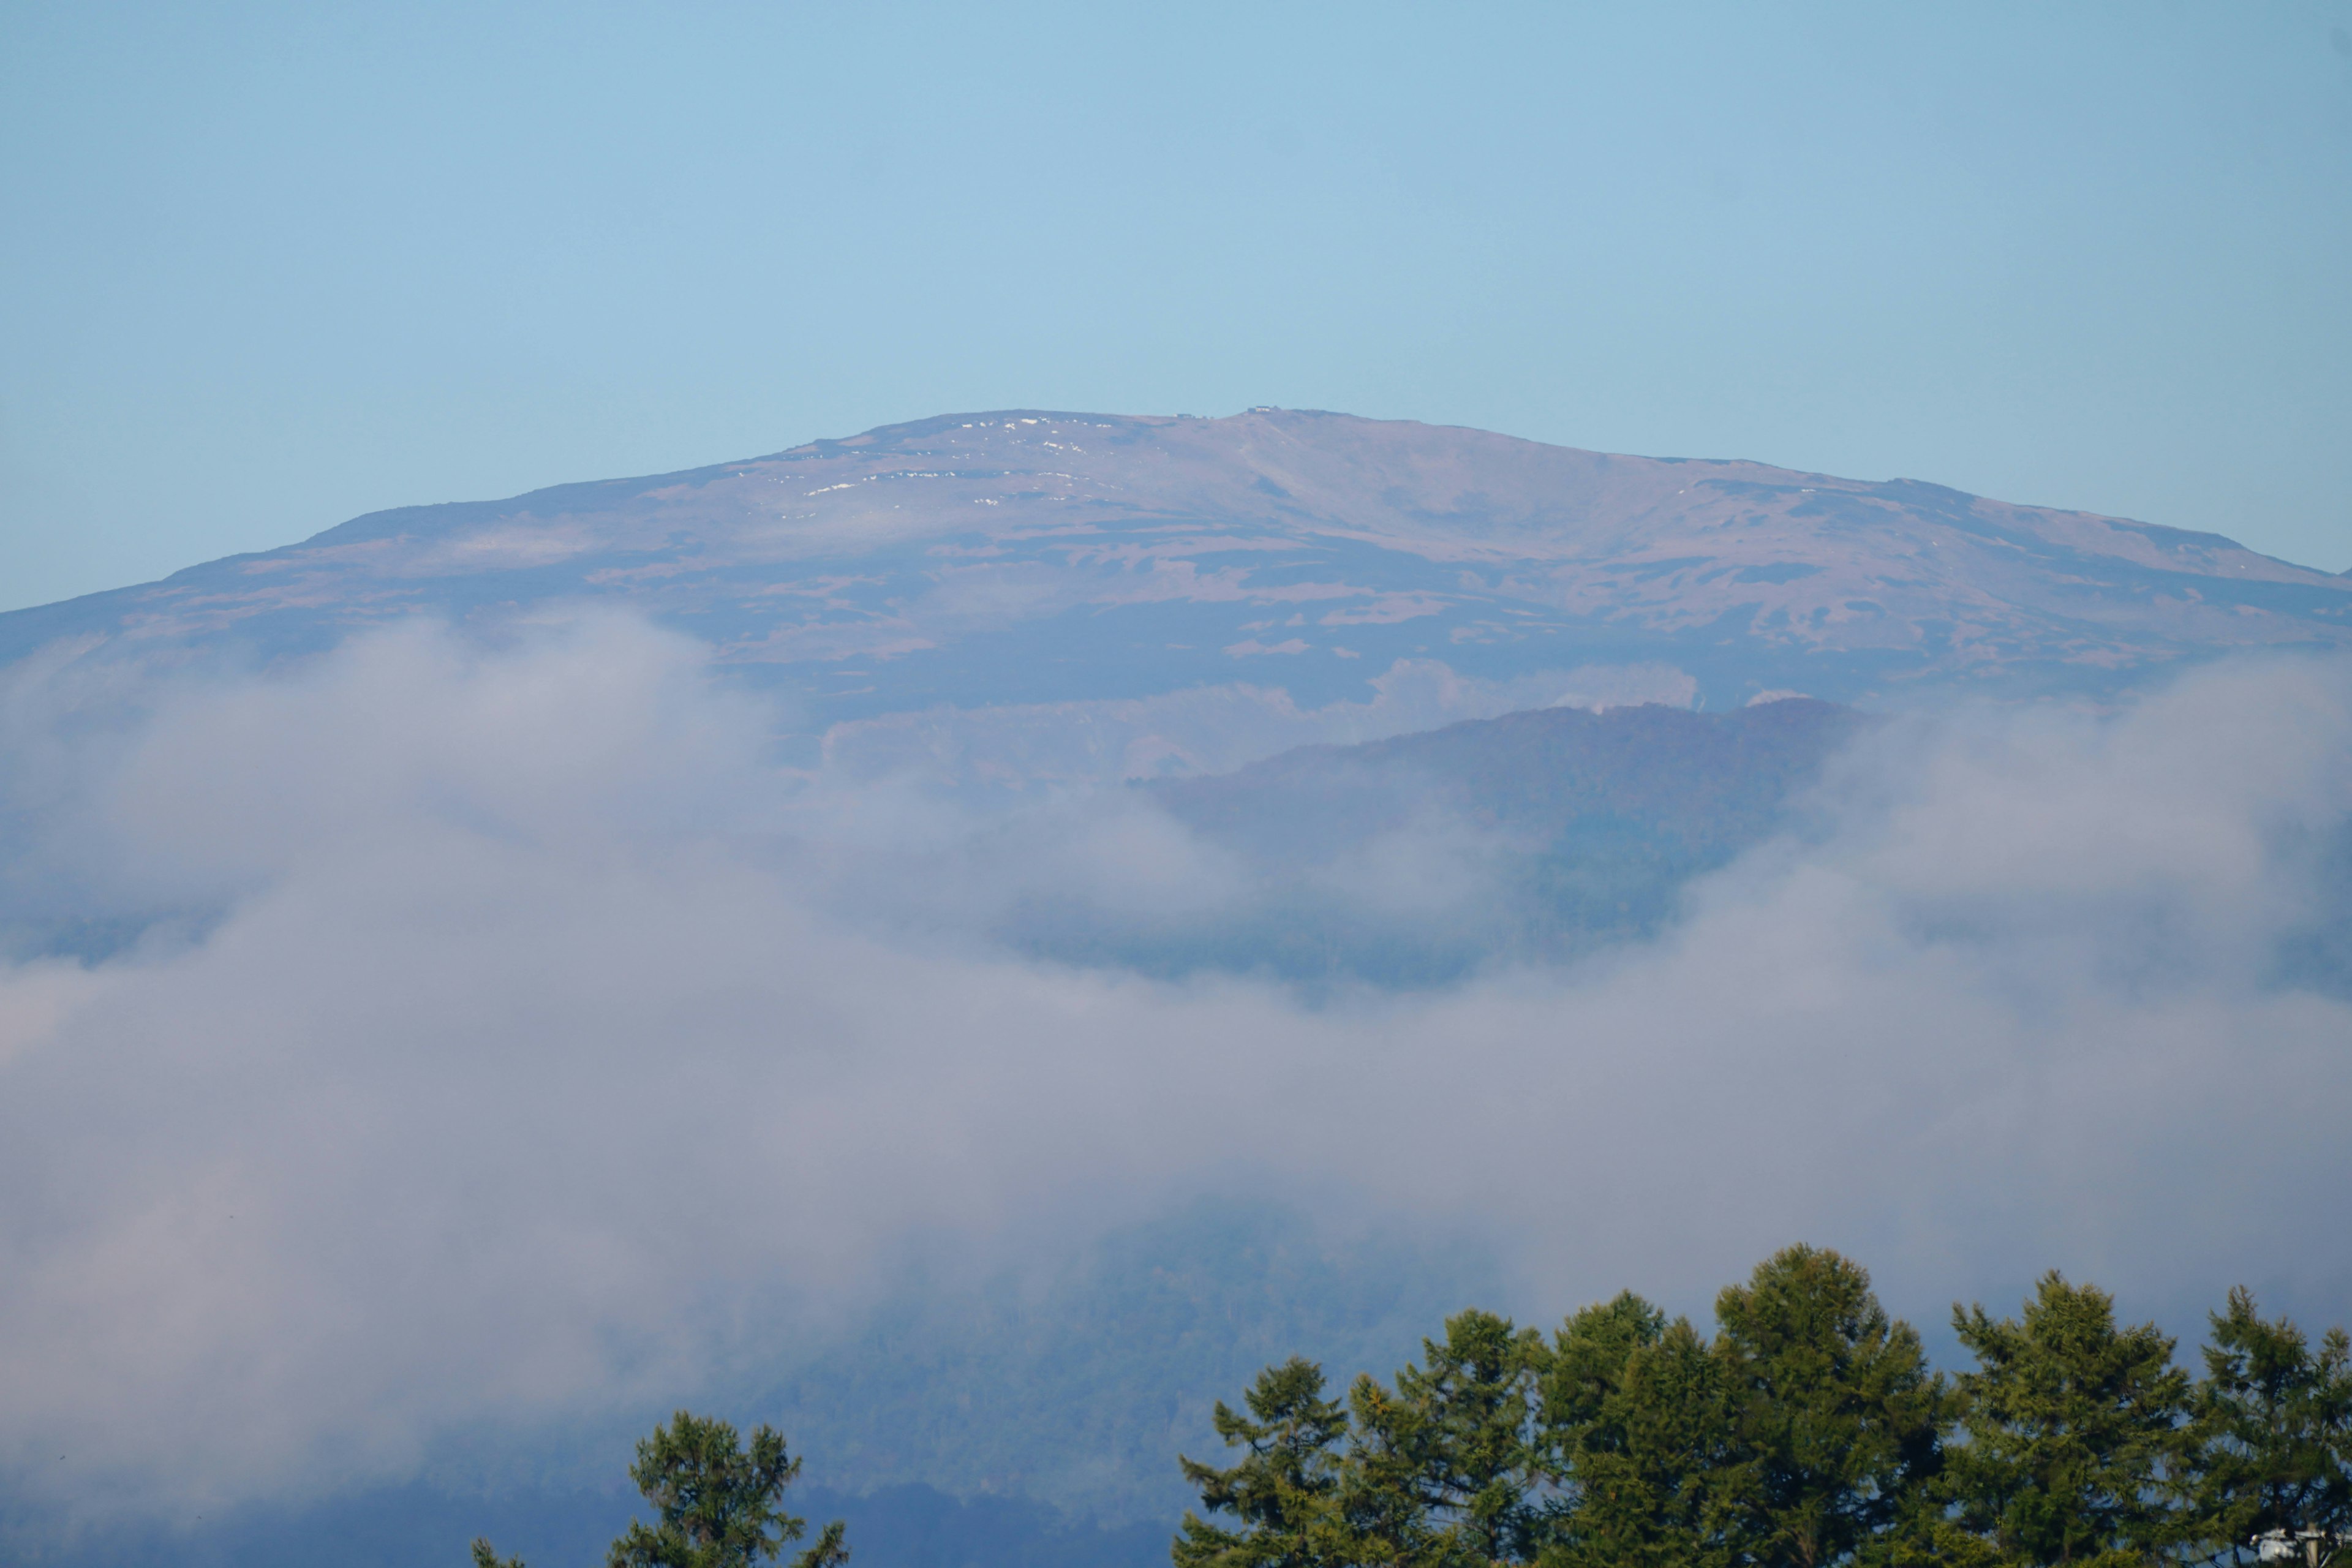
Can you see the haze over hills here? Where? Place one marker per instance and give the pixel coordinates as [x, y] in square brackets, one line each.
[1349, 825]
[1024, 558]
[1537, 834]
[1706, 781]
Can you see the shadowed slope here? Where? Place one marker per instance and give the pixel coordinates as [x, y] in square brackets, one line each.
[1415, 860]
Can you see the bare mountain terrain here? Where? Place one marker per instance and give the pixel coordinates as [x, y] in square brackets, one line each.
[1028, 558]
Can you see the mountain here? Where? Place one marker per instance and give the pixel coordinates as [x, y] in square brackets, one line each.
[1415, 859]
[1705, 783]
[1027, 558]
[1179, 603]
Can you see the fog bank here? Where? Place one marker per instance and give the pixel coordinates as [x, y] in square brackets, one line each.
[525, 1042]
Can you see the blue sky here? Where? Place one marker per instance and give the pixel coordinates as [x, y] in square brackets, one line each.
[267, 267]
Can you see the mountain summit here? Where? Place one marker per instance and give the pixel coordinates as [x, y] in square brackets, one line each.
[1031, 557]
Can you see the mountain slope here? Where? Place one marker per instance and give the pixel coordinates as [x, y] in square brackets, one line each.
[1708, 783]
[1028, 557]
[1417, 859]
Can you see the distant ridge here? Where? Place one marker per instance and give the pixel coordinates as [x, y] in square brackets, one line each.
[1560, 830]
[1707, 784]
[1027, 556]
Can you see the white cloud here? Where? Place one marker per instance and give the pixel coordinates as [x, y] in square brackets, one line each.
[531, 1069]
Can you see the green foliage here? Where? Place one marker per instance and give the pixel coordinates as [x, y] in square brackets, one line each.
[1837, 1419]
[2273, 1433]
[1639, 1422]
[1802, 1436]
[1810, 1433]
[1458, 1435]
[719, 1505]
[1285, 1491]
[1437, 1472]
[2075, 1429]
[1385, 1511]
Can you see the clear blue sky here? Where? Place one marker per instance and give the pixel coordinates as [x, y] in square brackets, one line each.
[267, 268]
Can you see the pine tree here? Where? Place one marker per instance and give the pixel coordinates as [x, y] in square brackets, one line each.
[1635, 1411]
[1837, 1420]
[1284, 1491]
[2075, 1430]
[720, 1506]
[1390, 1510]
[2272, 1432]
[1441, 1467]
[1472, 1433]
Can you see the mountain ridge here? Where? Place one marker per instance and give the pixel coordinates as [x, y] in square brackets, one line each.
[1539, 835]
[1033, 555]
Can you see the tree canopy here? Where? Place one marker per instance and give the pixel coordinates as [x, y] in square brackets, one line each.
[2075, 1427]
[716, 1504]
[1810, 1431]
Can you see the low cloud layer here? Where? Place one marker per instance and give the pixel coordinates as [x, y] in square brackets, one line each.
[532, 1043]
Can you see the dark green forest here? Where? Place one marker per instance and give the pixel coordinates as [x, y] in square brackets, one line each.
[1809, 1430]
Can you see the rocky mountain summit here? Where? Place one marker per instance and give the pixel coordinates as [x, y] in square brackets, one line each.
[1028, 558]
